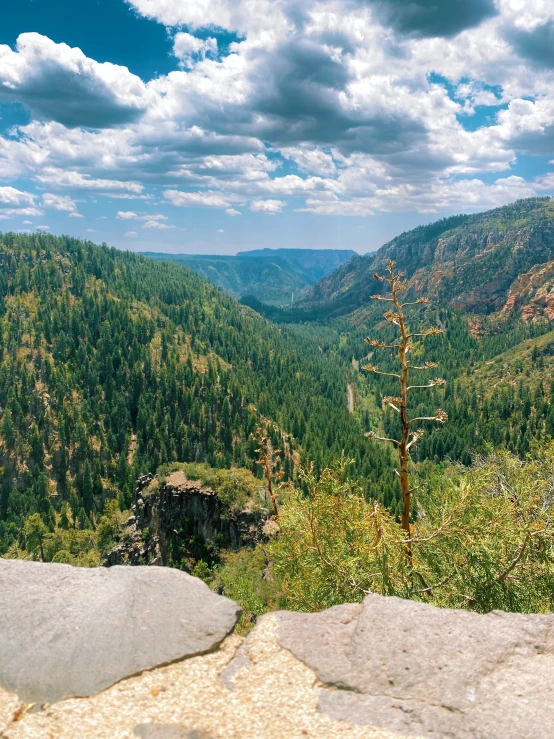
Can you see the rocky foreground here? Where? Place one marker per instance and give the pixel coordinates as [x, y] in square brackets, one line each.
[149, 652]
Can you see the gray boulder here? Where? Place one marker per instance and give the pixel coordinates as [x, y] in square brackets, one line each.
[68, 631]
[424, 671]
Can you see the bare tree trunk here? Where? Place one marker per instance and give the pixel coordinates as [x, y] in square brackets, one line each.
[269, 460]
[408, 437]
[403, 449]
[272, 494]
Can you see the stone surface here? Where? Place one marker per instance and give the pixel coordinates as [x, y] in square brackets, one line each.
[275, 696]
[67, 631]
[385, 668]
[420, 670]
[169, 731]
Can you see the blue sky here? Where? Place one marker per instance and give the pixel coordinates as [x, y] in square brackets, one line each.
[212, 126]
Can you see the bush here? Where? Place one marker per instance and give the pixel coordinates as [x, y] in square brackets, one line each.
[246, 576]
[483, 540]
[234, 487]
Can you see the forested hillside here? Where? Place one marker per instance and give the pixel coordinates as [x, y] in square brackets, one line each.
[112, 364]
[490, 279]
[464, 262]
[276, 276]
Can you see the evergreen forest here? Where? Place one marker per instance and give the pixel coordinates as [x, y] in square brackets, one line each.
[114, 365]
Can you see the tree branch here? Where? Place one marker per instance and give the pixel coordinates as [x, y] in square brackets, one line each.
[373, 435]
[371, 368]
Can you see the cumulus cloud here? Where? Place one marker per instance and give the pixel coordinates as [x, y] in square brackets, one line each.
[61, 84]
[468, 194]
[14, 203]
[203, 199]
[267, 206]
[432, 17]
[188, 48]
[129, 215]
[14, 212]
[11, 197]
[535, 43]
[229, 14]
[344, 107]
[82, 181]
[60, 202]
[157, 224]
[130, 234]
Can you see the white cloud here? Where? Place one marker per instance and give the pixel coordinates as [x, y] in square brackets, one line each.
[91, 230]
[229, 14]
[59, 202]
[267, 206]
[311, 160]
[203, 199]
[14, 203]
[220, 231]
[467, 194]
[10, 196]
[79, 180]
[342, 107]
[62, 203]
[129, 215]
[157, 224]
[15, 212]
[43, 228]
[59, 83]
[186, 47]
[130, 234]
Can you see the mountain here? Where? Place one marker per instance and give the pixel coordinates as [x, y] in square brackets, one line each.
[276, 276]
[316, 263]
[474, 263]
[112, 364]
[490, 277]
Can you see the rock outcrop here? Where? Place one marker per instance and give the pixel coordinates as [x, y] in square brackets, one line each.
[67, 631]
[193, 510]
[383, 668]
[531, 296]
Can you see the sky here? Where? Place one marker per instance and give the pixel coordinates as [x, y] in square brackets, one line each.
[213, 126]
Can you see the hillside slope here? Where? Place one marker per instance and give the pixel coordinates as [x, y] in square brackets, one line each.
[112, 364]
[276, 276]
[468, 263]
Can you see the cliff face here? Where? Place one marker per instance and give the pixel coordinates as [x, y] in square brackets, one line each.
[182, 519]
[470, 263]
[531, 296]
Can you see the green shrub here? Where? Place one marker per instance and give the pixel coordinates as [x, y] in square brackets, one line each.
[483, 540]
[234, 487]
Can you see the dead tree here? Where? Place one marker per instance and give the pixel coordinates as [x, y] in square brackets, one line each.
[269, 460]
[409, 436]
